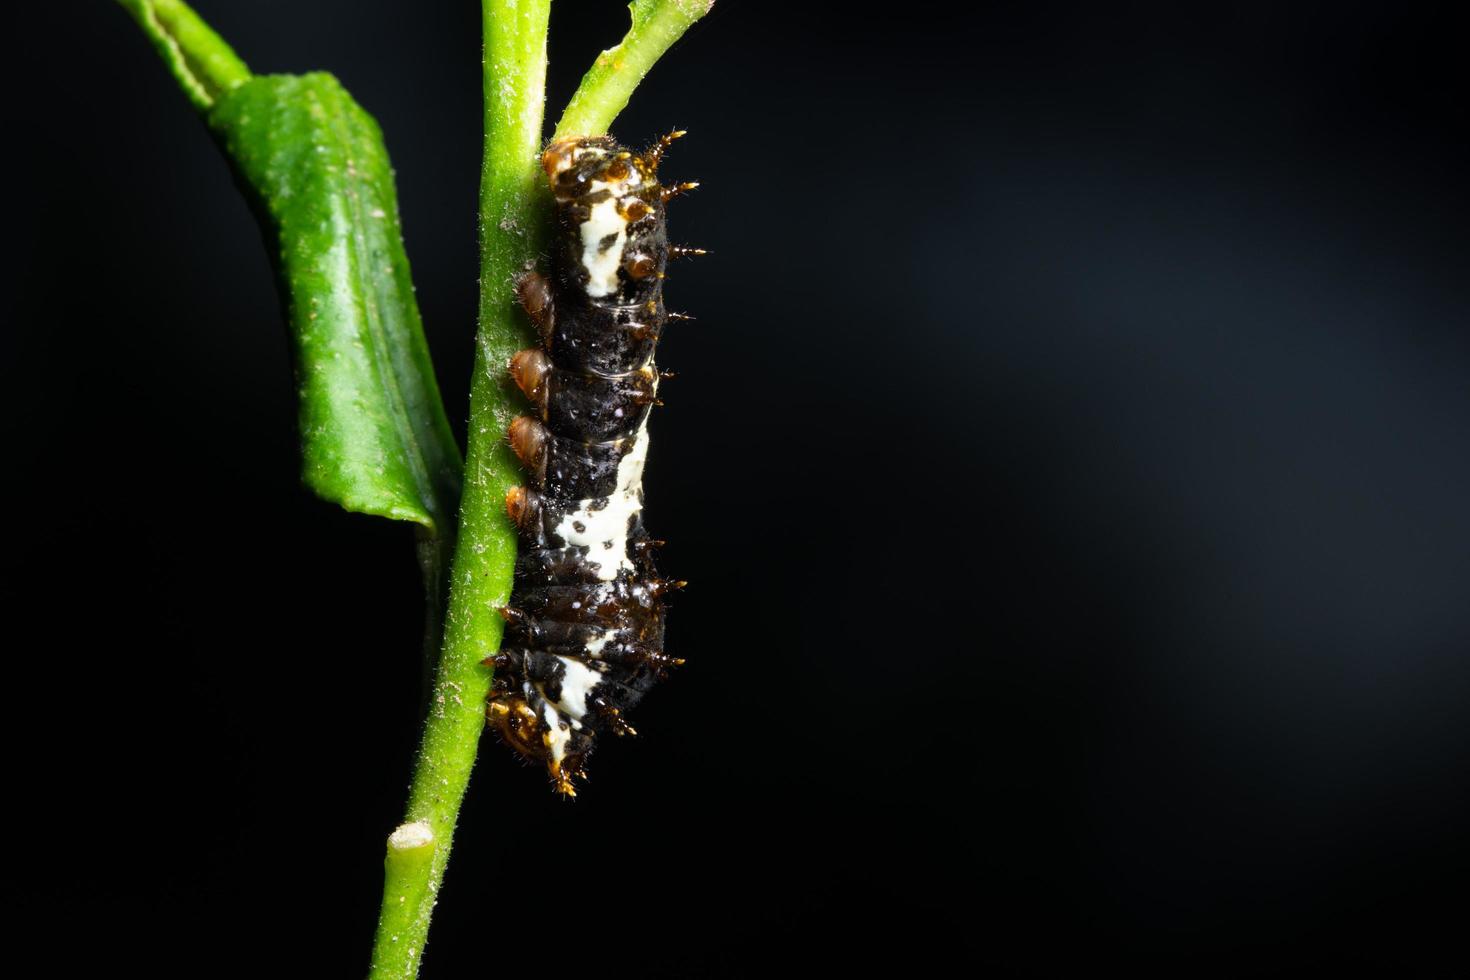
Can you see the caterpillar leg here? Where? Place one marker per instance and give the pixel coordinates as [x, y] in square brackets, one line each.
[534, 292]
[528, 439]
[529, 369]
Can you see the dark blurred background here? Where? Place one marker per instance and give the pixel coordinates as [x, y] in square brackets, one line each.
[1069, 459]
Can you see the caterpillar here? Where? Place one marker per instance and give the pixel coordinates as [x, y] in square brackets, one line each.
[585, 624]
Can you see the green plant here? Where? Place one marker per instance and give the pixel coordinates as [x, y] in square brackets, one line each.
[375, 435]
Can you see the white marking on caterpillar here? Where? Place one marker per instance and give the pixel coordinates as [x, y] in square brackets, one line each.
[577, 683]
[630, 467]
[594, 646]
[604, 529]
[602, 264]
[556, 736]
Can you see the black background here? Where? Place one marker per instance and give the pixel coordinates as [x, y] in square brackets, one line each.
[1070, 461]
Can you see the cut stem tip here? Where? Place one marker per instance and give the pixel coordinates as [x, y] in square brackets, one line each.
[411, 836]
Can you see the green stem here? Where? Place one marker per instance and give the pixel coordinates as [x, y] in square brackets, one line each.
[406, 891]
[610, 81]
[203, 63]
[484, 560]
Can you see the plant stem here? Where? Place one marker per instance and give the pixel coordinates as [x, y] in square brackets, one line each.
[199, 59]
[408, 876]
[609, 83]
[484, 560]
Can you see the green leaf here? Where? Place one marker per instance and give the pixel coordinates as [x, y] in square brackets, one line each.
[375, 438]
[374, 435]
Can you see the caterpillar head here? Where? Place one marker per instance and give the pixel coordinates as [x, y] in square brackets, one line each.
[610, 204]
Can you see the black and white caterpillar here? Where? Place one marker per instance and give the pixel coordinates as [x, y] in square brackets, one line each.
[585, 625]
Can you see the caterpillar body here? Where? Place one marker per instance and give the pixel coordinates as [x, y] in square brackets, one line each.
[585, 623]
